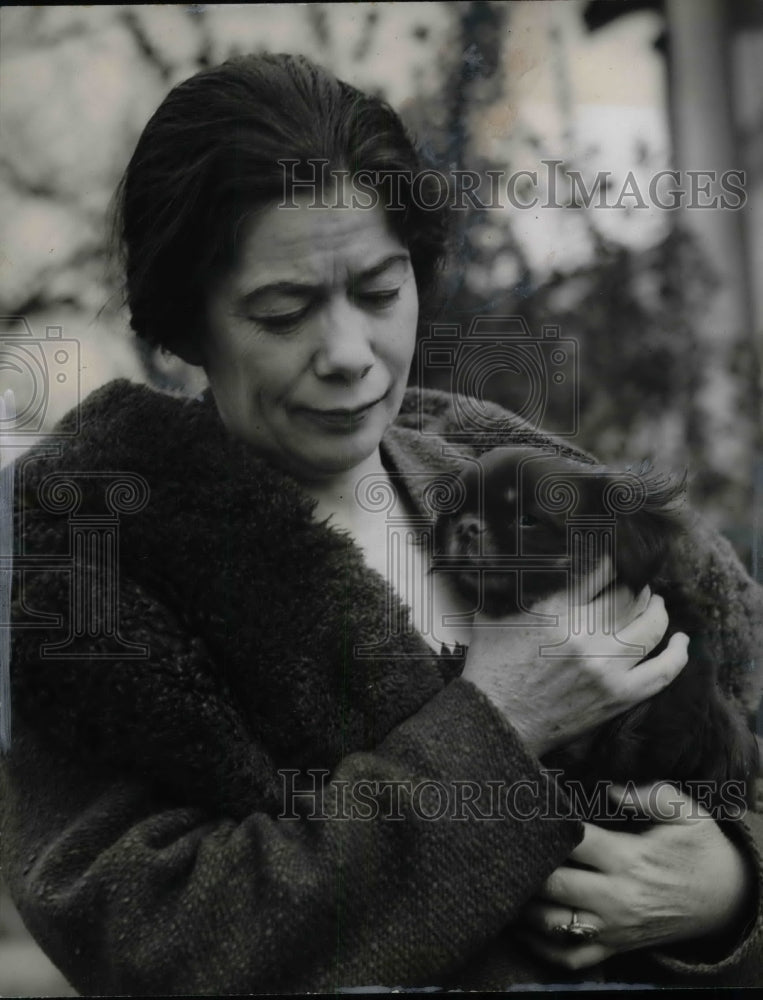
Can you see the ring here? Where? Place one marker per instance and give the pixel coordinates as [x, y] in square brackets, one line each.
[576, 929]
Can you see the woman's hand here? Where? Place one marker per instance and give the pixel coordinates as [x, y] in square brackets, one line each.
[680, 880]
[557, 682]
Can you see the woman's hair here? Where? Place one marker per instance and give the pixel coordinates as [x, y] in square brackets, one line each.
[211, 153]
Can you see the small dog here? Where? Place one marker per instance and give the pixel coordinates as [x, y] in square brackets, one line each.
[525, 524]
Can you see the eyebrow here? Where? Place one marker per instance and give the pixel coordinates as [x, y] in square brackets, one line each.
[306, 287]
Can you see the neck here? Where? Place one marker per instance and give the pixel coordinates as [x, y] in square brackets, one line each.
[336, 494]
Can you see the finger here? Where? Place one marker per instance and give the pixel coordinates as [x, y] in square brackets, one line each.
[630, 606]
[586, 587]
[650, 676]
[617, 603]
[552, 920]
[606, 605]
[660, 801]
[577, 956]
[576, 888]
[648, 628]
[600, 615]
[603, 850]
[581, 590]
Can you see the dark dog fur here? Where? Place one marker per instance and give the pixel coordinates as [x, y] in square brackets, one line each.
[514, 510]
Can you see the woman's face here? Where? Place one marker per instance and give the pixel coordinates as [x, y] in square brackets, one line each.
[311, 335]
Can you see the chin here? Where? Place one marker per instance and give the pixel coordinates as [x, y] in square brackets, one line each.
[338, 459]
[344, 452]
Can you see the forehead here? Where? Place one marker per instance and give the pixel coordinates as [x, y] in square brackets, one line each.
[310, 244]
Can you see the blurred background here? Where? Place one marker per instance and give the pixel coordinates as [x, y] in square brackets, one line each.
[654, 278]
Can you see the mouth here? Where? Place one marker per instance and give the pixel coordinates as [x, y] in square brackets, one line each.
[342, 417]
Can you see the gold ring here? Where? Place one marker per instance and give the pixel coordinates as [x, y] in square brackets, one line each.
[576, 929]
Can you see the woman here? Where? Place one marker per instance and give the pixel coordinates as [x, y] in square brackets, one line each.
[235, 782]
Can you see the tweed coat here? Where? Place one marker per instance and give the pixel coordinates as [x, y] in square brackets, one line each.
[151, 836]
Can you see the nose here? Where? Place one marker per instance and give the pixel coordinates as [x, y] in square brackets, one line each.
[345, 348]
[470, 527]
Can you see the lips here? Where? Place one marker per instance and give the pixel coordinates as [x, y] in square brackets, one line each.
[342, 416]
[347, 413]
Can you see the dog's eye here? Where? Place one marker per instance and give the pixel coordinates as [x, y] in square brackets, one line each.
[527, 521]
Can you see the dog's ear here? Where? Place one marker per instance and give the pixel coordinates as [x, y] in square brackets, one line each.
[666, 495]
[645, 534]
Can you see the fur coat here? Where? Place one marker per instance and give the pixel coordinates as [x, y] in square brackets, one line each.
[144, 836]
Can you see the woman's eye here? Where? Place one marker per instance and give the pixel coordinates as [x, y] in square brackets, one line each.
[527, 521]
[280, 322]
[379, 298]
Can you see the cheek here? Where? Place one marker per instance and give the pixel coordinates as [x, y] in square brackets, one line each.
[412, 310]
[402, 343]
[269, 370]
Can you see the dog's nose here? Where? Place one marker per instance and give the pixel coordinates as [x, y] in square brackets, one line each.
[470, 527]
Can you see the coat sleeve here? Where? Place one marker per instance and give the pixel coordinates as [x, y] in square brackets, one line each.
[368, 881]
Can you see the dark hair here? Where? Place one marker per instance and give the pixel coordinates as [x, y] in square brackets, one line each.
[211, 151]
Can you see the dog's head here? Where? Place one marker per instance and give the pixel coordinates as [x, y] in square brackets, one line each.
[526, 522]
